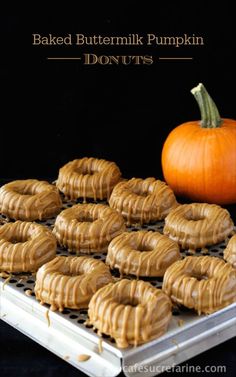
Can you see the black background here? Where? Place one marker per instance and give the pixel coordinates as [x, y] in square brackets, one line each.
[53, 112]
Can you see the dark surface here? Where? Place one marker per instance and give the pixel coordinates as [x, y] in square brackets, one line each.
[22, 357]
[63, 110]
[53, 112]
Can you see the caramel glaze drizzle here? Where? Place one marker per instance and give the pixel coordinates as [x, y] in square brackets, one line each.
[130, 311]
[88, 228]
[88, 178]
[197, 225]
[230, 252]
[25, 246]
[29, 200]
[70, 281]
[83, 357]
[203, 283]
[142, 253]
[142, 200]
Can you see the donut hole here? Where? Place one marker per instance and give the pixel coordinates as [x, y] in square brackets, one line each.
[71, 274]
[194, 216]
[140, 192]
[126, 300]
[86, 217]
[23, 191]
[85, 170]
[199, 277]
[144, 248]
[26, 190]
[18, 238]
[142, 245]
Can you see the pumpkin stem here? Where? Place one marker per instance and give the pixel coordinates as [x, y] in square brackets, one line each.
[209, 112]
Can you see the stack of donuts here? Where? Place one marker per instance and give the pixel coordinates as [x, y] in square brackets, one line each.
[105, 206]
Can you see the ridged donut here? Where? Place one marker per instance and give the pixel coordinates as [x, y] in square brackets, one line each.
[130, 311]
[230, 251]
[88, 178]
[88, 228]
[197, 225]
[142, 201]
[70, 282]
[142, 253]
[29, 200]
[25, 246]
[203, 283]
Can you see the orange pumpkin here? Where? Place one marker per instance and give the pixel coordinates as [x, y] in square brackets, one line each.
[199, 157]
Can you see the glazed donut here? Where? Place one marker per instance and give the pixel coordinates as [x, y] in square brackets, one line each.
[142, 200]
[88, 178]
[142, 253]
[197, 225]
[29, 200]
[88, 228]
[25, 246]
[70, 281]
[230, 251]
[130, 311]
[203, 283]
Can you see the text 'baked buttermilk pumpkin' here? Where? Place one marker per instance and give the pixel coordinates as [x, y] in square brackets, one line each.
[199, 157]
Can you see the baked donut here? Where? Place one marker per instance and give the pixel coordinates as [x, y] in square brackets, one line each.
[230, 251]
[25, 246]
[29, 200]
[88, 228]
[142, 200]
[70, 281]
[197, 225]
[88, 178]
[130, 311]
[203, 283]
[142, 253]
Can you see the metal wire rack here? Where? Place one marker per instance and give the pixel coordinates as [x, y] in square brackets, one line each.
[68, 335]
